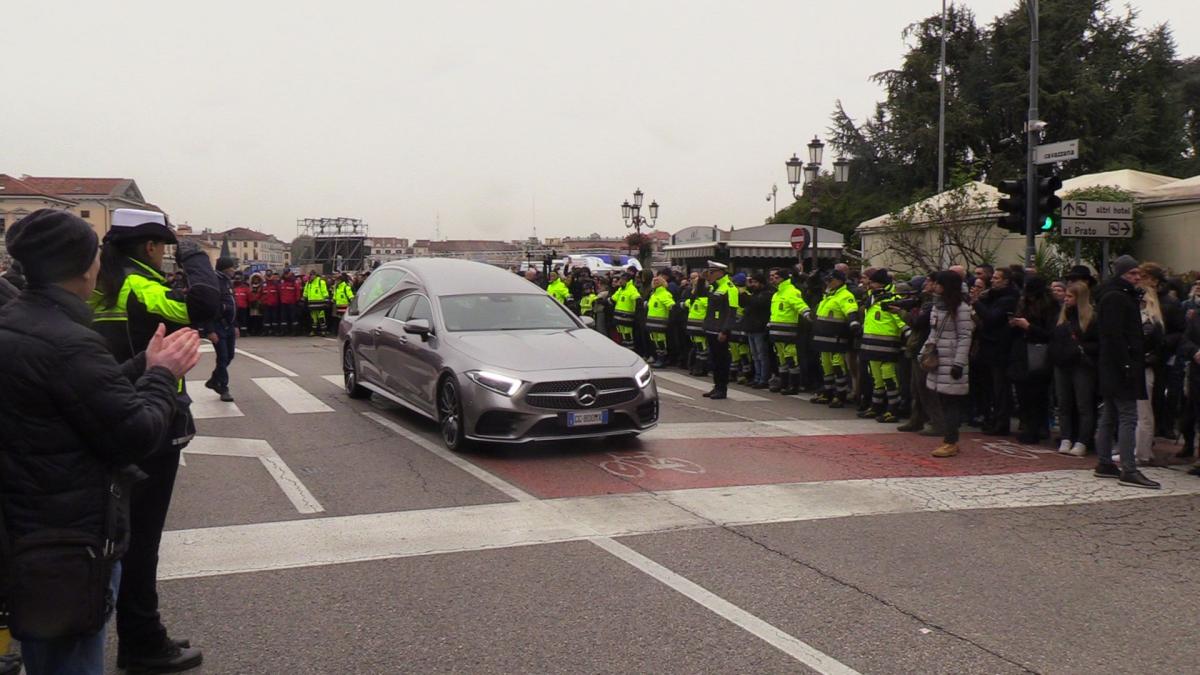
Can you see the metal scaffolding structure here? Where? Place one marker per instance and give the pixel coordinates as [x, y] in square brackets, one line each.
[339, 244]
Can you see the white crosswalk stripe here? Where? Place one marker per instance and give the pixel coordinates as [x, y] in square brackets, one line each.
[705, 385]
[290, 396]
[207, 404]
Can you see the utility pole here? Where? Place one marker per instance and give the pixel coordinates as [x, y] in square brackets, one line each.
[1031, 134]
[943, 256]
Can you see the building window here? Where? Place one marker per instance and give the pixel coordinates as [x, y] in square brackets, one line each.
[85, 214]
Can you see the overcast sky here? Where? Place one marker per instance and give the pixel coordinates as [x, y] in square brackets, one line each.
[257, 113]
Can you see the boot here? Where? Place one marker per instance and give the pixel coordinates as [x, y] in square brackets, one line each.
[660, 360]
[887, 417]
[775, 384]
[868, 413]
[172, 656]
[838, 401]
[791, 384]
[913, 424]
[946, 450]
[824, 397]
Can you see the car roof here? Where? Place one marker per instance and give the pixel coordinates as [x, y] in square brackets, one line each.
[448, 276]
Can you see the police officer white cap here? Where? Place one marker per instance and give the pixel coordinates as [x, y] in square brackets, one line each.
[137, 224]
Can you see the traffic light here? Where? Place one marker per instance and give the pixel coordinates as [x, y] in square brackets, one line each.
[1013, 206]
[1048, 203]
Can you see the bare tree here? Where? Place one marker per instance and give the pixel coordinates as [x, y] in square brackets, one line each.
[954, 227]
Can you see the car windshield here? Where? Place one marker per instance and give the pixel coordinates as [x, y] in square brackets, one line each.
[504, 311]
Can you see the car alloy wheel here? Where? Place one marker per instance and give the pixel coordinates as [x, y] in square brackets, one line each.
[350, 376]
[450, 415]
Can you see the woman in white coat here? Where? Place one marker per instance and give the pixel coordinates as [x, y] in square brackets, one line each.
[950, 329]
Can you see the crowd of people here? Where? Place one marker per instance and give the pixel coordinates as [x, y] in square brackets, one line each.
[269, 302]
[1084, 365]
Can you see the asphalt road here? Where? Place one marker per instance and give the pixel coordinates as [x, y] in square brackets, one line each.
[315, 534]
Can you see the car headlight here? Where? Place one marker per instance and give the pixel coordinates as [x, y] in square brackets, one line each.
[501, 384]
[643, 377]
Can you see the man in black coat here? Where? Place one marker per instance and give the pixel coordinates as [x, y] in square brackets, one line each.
[1121, 373]
[995, 307]
[72, 420]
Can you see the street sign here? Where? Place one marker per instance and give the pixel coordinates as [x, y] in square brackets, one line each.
[1081, 210]
[1056, 152]
[1099, 229]
[799, 238]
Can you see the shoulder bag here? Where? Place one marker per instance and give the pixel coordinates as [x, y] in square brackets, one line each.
[929, 353]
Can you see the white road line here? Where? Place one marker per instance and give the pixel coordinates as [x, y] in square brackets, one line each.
[784, 642]
[335, 380]
[267, 362]
[207, 404]
[668, 392]
[261, 450]
[494, 481]
[206, 348]
[704, 385]
[764, 429]
[236, 549]
[290, 396]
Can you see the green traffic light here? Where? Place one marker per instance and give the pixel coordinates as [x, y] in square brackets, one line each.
[1048, 224]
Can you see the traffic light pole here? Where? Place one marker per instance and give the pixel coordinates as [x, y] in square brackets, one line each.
[1031, 136]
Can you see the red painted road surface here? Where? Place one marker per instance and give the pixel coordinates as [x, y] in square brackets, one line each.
[597, 468]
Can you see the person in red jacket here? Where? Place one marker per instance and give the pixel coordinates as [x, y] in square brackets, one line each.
[256, 293]
[270, 304]
[241, 298]
[290, 289]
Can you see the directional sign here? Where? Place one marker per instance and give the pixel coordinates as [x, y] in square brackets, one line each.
[1056, 152]
[1101, 229]
[799, 238]
[1081, 210]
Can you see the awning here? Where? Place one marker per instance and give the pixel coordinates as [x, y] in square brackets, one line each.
[751, 249]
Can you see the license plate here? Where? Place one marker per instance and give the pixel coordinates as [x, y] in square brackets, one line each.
[584, 419]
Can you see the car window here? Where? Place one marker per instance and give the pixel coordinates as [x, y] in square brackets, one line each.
[421, 310]
[504, 311]
[380, 282]
[400, 310]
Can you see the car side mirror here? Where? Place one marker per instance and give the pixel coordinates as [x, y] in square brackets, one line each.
[588, 321]
[419, 327]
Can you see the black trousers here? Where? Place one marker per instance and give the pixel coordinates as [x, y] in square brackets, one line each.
[1001, 417]
[719, 359]
[139, 627]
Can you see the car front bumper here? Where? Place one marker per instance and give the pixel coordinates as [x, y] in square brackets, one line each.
[524, 417]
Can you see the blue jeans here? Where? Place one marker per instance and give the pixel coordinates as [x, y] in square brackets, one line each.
[70, 656]
[224, 351]
[1121, 414]
[760, 354]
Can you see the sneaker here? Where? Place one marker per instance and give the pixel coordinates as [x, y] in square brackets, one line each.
[1136, 479]
[820, 399]
[837, 402]
[931, 432]
[212, 384]
[887, 418]
[1064, 448]
[911, 425]
[1078, 450]
[174, 656]
[865, 413]
[946, 450]
[1104, 470]
[226, 396]
[717, 395]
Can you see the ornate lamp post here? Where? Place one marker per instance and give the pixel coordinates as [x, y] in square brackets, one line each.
[800, 173]
[631, 213]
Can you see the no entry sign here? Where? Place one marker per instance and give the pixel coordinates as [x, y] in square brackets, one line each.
[799, 238]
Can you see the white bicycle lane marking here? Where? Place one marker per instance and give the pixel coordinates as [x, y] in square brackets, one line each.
[634, 464]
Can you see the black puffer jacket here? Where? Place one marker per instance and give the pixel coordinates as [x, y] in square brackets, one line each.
[1122, 354]
[1074, 346]
[70, 416]
[994, 308]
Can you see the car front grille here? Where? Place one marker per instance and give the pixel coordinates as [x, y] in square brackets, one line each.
[560, 395]
[567, 386]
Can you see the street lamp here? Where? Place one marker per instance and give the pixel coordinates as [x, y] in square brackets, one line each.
[774, 200]
[800, 173]
[795, 169]
[632, 213]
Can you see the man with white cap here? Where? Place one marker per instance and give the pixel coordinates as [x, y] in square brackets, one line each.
[132, 297]
[723, 301]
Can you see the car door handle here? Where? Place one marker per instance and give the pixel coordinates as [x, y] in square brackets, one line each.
[403, 339]
[376, 331]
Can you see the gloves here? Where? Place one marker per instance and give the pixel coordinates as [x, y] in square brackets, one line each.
[187, 249]
[956, 371]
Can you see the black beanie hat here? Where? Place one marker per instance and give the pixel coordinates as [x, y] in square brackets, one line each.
[225, 263]
[880, 276]
[52, 245]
